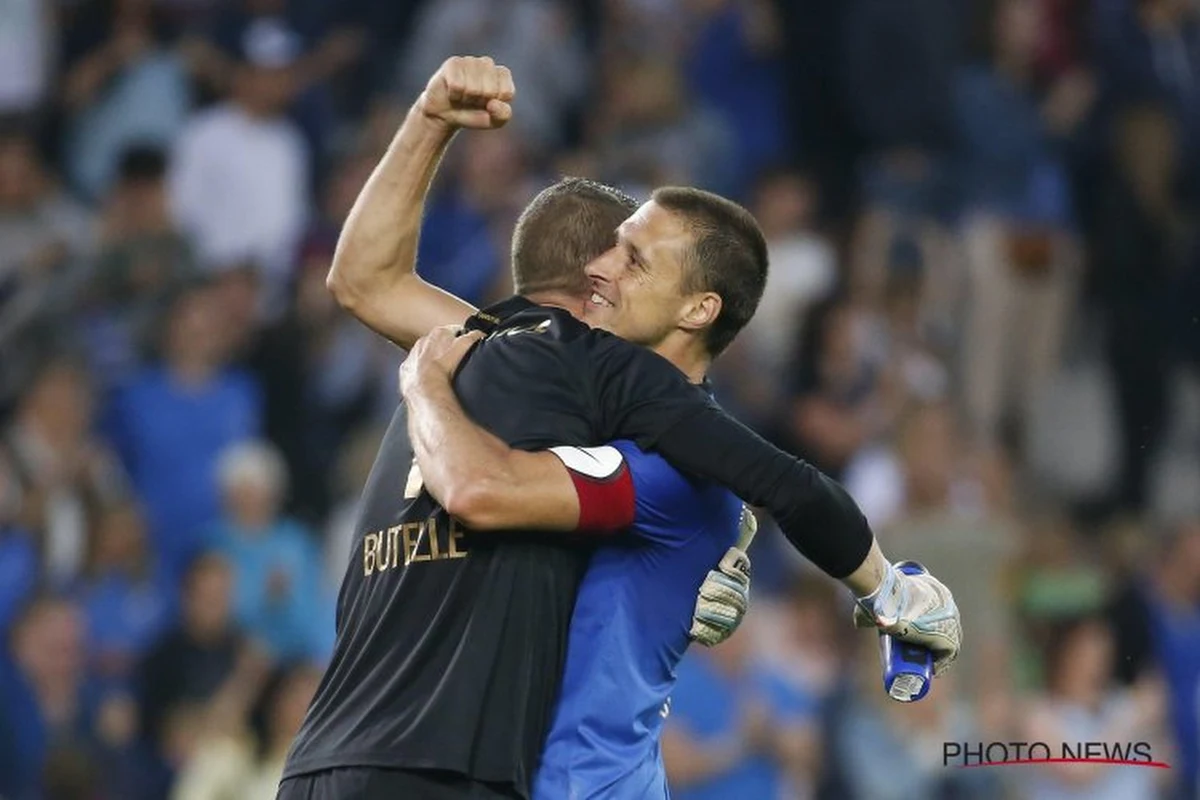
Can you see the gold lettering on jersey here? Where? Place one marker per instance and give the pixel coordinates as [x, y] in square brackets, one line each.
[393, 550]
[370, 552]
[413, 535]
[415, 482]
[412, 543]
[456, 533]
[434, 551]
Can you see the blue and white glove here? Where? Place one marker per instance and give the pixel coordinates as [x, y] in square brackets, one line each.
[918, 609]
[725, 594]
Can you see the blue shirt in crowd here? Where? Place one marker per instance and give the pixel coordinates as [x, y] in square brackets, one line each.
[18, 574]
[295, 620]
[628, 632]
[709, 706]
[1011, 164]
[125, 616]
[170, 437]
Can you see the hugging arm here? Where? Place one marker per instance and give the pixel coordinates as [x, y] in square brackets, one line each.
[648, 400]
[487, 485]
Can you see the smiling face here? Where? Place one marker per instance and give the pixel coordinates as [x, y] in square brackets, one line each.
[637, 286]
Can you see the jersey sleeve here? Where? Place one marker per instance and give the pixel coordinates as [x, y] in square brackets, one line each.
[660, 497]
[644, 398]
[603, 485]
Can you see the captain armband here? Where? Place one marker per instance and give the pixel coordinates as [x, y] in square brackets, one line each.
[603, 484]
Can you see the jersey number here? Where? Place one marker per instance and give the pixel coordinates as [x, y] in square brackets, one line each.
[415, 482]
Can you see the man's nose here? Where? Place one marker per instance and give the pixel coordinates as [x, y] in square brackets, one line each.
[604, 267]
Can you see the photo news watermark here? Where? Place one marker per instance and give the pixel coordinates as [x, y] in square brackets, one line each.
[1000, 754]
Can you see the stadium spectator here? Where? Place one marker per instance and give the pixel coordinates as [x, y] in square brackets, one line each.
[125, 85]
[645, 131]
[238, 763]
[732, 67]
[172, 421]
[942, 523]
[275, 562]
[803, 272]
[1168, 617]
[463, 246]
[126, 605]
[1020, 248]
[1142, 250]
[143, 259]
[63, 474]
[318, 374]
[239, 178]
[46, 701]
[902, 744]
[351, 473]
[190, 666]
[41, 227]
[839, 404]
[534, 38]
[28, 67]
[737, 727]
[1083, 705]
[328, 42]
[1148, 52]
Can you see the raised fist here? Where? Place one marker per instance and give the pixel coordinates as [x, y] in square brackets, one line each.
[469, 92]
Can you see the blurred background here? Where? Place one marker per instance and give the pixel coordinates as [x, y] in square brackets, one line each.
[983, 316]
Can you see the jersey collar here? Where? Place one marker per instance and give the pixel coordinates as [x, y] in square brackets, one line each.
[488, 319]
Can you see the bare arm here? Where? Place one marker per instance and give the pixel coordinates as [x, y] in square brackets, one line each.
[373, 275]
[475, 475]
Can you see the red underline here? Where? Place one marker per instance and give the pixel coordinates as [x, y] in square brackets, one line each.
[1119, 761]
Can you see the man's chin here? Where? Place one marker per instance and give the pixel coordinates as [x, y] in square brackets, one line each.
[598, 318]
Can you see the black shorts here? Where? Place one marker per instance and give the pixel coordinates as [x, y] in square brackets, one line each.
[375, 783]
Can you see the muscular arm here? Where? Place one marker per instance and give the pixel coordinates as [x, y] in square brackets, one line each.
[373, 273]
[476, 476]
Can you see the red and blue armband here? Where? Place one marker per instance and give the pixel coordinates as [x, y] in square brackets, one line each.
[603, 484]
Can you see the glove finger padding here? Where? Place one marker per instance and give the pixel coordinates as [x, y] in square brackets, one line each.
[723, 601]
[924, 614]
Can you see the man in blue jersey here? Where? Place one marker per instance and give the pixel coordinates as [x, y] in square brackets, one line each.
[630, 626]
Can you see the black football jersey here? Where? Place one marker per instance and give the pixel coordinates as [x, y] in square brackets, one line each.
[450, 644]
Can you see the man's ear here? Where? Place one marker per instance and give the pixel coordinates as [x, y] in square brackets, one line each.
[700, 311]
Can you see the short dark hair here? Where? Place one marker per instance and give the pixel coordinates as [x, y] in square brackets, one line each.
[567, 225]
[728, 256]
[142, 162]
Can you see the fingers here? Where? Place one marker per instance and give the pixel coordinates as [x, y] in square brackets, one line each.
[506, 90]
[499, 112]
[457, 351]
[478, 93]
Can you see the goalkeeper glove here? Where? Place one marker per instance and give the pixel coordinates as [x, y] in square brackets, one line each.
[725, 594]
[918, 609]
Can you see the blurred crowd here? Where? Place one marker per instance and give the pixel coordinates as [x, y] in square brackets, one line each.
[981, 317]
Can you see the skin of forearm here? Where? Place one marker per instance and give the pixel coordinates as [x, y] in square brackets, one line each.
[869, 575]
[476, 477]
[448, 448]
[376, 254]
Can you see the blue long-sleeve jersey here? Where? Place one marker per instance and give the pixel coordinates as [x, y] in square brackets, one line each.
[628, 632]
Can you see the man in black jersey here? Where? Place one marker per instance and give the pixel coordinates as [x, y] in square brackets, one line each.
[450, 643]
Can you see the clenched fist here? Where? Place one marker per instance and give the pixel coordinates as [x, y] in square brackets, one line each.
[469, 92]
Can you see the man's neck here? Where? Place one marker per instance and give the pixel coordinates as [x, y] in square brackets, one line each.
[685, 352]
[567, 302]
[688, 354]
